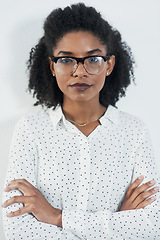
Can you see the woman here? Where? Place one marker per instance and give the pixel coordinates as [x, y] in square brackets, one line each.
[81, 168]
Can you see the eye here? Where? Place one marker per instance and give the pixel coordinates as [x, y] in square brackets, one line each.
[66, 60]
[93, 60]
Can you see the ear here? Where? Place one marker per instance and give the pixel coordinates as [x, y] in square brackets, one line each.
[110, 65]
[51, 66]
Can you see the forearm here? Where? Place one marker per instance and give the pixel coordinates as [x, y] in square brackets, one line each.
[59, 220]
[133, 224]
[28, 227]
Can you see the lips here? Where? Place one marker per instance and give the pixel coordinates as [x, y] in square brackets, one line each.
[80, 86]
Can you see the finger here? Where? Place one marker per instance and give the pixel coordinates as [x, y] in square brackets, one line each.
[146, 202]
[133, 186]
[141, 189]
[21, 184]
[19, 212]
[145, 195]
[16, 199]
[16, 182]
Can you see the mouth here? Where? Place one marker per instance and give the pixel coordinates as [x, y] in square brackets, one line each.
[80, 86]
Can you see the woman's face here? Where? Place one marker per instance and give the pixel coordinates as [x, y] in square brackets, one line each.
[81, 86]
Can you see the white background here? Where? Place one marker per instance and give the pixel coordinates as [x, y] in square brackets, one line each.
[21, 27]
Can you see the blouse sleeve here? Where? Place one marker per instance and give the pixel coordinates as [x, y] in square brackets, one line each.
[122, 225]
[23, 164]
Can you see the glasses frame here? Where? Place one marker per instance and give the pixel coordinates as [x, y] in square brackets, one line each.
[80, 60]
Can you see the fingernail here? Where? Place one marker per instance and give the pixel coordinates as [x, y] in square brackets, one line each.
[152, 182]
[140, 177]
[5, 189]
[155, 189]
[9, 214]
[153, 198]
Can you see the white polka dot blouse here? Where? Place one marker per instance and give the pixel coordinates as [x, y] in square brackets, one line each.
[85, 177]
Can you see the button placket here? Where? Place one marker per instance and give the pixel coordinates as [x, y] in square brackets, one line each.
[84, 177]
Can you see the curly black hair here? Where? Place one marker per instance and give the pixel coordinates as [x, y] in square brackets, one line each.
[78, 17]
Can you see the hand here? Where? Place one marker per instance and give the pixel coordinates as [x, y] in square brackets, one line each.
[138, 196]
[34, 202]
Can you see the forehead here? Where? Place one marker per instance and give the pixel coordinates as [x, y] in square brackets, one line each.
[79, 43]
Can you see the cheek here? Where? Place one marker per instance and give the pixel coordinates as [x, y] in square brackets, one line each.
[101, 81]
[61, 82]
[60, 85]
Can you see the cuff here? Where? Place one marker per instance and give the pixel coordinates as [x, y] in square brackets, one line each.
[74, 221]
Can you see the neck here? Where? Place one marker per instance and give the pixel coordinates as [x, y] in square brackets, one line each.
[81, 112]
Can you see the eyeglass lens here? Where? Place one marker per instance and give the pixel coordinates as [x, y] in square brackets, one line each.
[67, 66]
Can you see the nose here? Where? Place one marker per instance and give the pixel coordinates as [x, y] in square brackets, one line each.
[80, 70]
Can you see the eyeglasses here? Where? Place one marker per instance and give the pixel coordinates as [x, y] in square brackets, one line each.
[68, 65]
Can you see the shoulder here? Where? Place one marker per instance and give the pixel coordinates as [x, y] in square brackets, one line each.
[33, 121]
[34, 117]
[128, 126]
[126, 121]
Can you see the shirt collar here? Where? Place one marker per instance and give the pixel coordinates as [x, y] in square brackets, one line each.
[56, 115]
[111, 114]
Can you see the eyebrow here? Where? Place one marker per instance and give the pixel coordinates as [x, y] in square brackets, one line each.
[89, 52]
[64, 52]
[94, 50]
